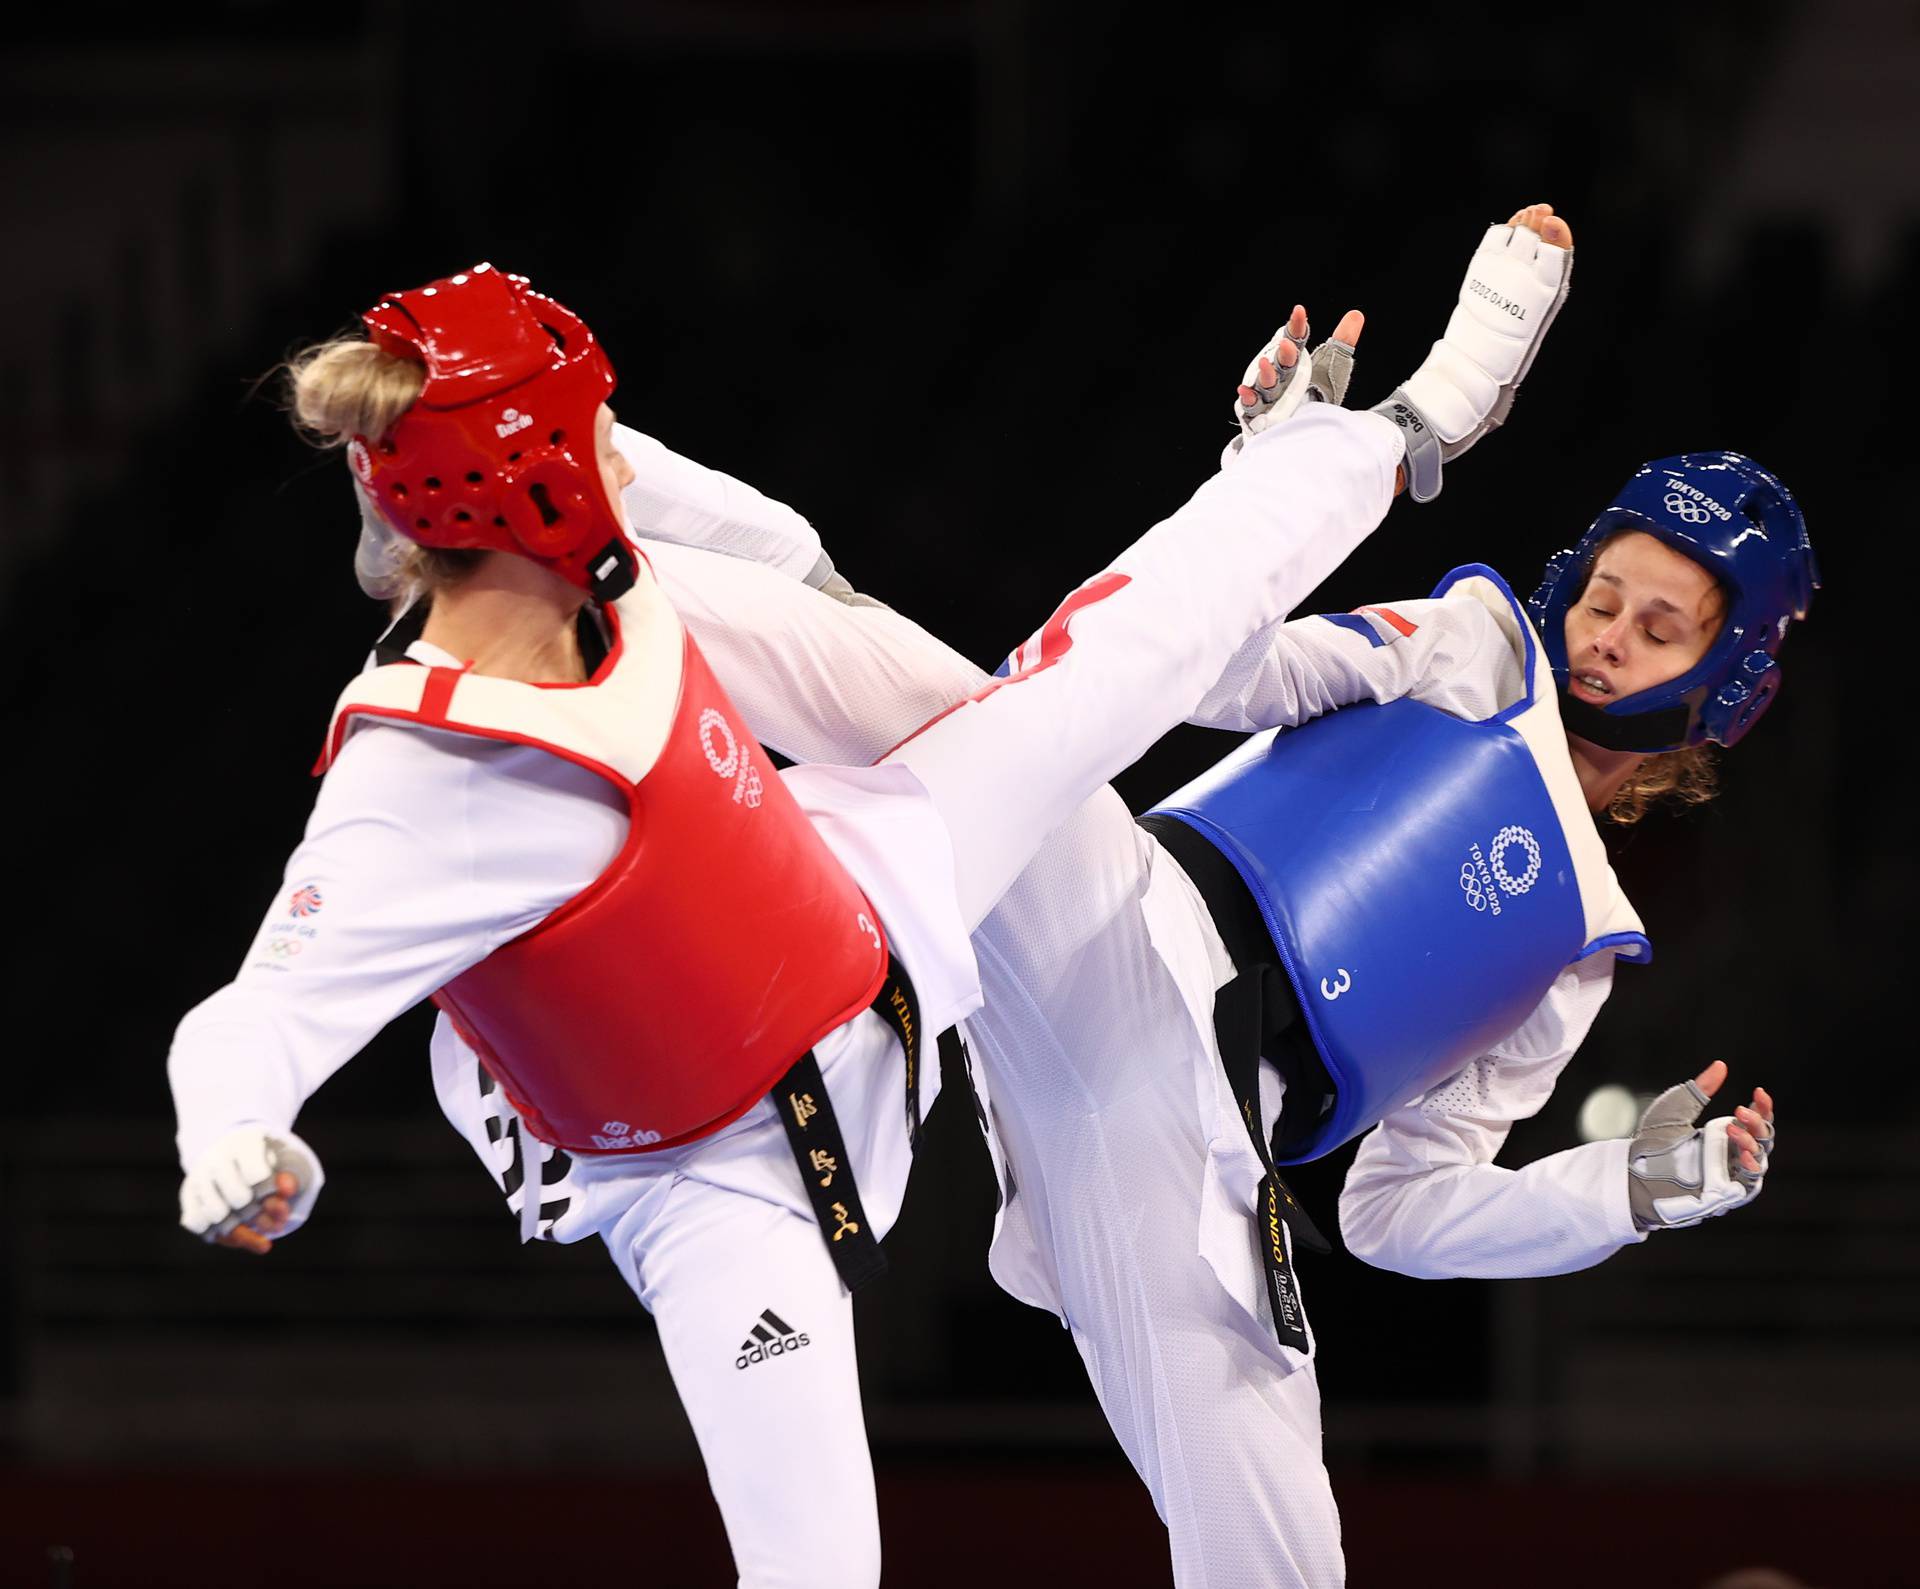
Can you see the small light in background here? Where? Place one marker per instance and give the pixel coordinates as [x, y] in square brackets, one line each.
[1609, 1112]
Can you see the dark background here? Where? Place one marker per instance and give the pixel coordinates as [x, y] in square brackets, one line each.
[970, 286]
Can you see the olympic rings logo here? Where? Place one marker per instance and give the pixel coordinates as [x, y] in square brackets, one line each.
[1686, 509]
[1505, 840]
[1470, 883]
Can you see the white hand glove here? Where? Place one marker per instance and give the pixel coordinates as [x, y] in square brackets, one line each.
[1679, 1173]
[1515, 285]
[1274, 402]
[1321, 377]
[232, 1179]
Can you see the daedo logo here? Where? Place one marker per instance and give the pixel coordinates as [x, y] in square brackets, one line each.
[511, 420]
[617, 1134]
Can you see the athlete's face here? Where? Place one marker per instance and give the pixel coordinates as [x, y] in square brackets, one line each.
[616, 474]
[1647, 615]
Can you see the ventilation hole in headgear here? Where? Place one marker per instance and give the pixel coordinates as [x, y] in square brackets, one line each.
[421, 524]
[513, 457]
[474, 477]
[399, 492]
[557, 437]
[549, 514]
[433, 482]
[462, 516]
[499, 522]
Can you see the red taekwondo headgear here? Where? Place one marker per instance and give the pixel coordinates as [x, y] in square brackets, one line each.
[498, 451]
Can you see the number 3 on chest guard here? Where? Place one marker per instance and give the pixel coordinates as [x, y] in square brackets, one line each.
[1333, 990]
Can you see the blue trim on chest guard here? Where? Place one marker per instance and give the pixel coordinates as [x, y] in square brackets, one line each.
[1630, 946]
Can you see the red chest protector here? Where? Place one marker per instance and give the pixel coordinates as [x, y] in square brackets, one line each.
[722, 942]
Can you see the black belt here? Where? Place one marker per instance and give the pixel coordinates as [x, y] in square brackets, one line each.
[821, 1152]
[1257, 1014]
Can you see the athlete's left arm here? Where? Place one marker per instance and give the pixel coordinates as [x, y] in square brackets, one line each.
[1425, 1198]
[1448, 652]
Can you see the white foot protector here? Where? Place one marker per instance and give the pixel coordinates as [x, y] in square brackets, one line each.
[232, 1179]
[1515, 285]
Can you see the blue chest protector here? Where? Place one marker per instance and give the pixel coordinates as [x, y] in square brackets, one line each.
[1416, 874]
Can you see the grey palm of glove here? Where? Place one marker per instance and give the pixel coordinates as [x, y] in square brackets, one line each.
[1284, 375]
[1680, 1172]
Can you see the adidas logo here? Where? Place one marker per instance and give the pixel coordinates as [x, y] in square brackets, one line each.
[771, 1336]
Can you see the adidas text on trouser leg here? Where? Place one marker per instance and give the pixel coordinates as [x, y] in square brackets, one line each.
[758, 1333]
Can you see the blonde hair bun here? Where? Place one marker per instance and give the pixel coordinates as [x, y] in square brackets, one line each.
[347, 387]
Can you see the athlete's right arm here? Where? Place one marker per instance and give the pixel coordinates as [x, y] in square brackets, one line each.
[679, 502]
[381, 903]
[1449, 653]
[1424, 1197]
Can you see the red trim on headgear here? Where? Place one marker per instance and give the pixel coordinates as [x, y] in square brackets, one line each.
[497, 453]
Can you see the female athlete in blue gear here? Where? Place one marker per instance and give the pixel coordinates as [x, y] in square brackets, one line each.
[1148, 989]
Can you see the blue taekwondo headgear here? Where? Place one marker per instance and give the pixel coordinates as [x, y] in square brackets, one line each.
[1742, 525]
